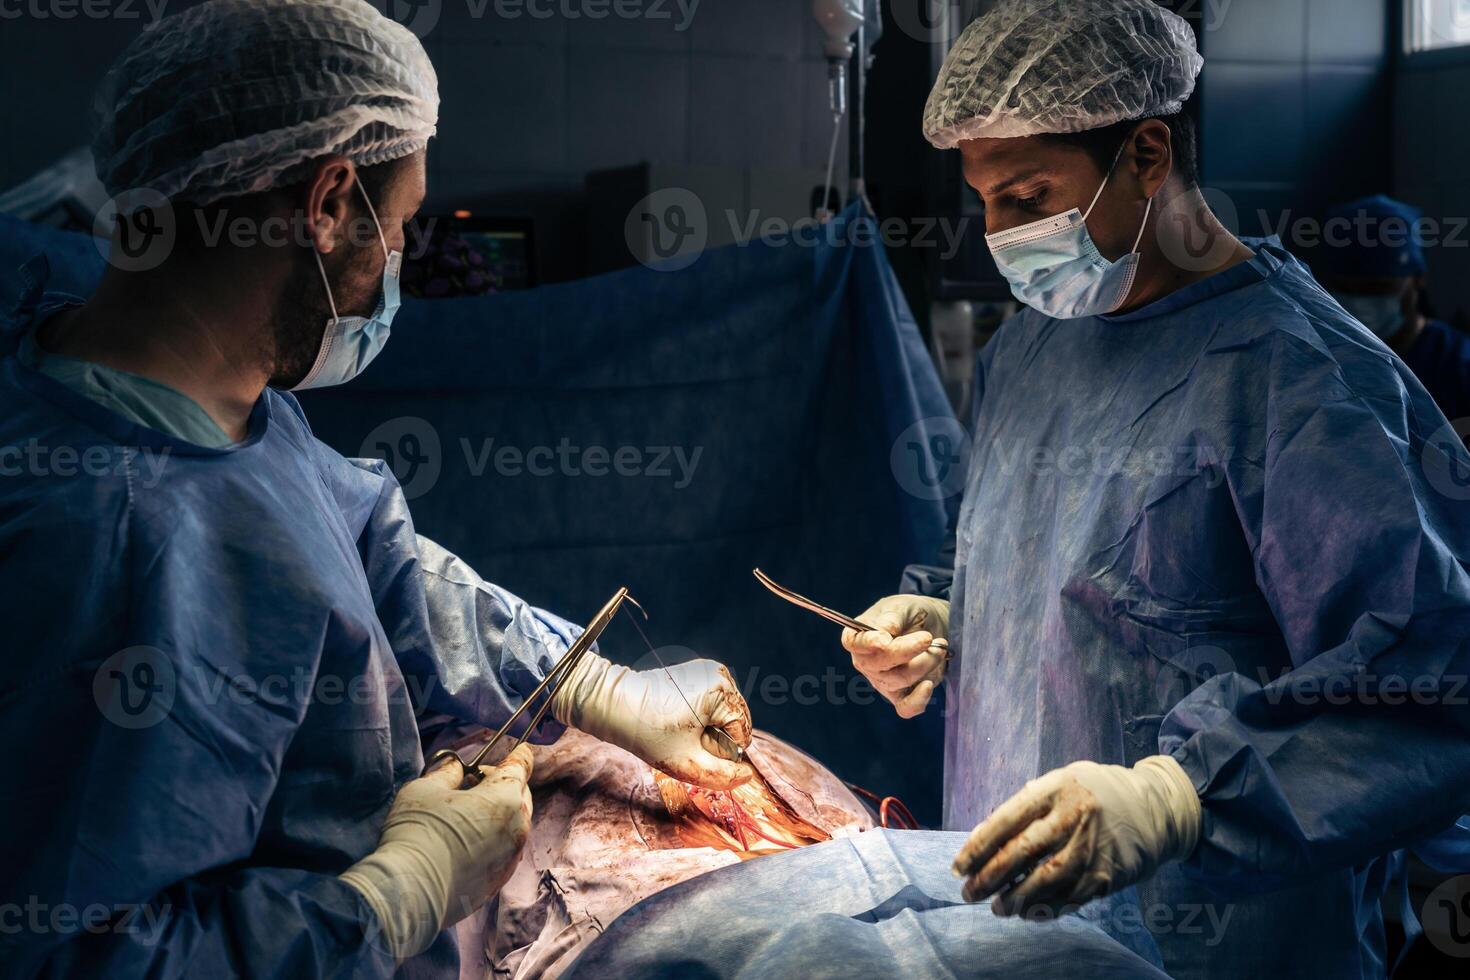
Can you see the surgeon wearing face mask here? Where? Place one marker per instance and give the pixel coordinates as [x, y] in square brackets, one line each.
[1175, 628]
[350, 343]
[220, 632]
[1372, 260]
[1054, 265]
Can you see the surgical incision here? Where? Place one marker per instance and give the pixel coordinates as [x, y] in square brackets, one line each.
[750, 819]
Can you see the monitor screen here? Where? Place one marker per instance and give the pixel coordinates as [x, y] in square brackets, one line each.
[465, 255]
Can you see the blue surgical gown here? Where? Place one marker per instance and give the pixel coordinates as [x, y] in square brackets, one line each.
[213, 663]
[1231, 527]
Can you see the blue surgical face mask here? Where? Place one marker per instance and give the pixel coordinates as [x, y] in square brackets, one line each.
[1054, 266]
[350, 343]
[1384, 315]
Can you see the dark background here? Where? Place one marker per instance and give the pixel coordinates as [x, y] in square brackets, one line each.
[529, 106]
[1302, 103]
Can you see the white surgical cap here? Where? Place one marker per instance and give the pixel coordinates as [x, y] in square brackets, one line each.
[1061, 66]
[238, 96]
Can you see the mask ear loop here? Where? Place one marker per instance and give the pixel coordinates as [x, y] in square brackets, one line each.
[326, 283]
[1106, 180]
[1098, 197]
[1146, 212]
[322, 269]
[382, 240]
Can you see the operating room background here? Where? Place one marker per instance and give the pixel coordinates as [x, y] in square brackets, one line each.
[1303, 103]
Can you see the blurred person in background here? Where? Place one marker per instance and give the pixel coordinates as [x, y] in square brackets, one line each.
[1372, 261]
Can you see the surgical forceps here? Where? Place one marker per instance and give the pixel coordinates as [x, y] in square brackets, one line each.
[810, 606]
[563, 669]
[559, 673]
[831, 614]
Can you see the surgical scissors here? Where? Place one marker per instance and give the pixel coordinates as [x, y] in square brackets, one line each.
[563, 669]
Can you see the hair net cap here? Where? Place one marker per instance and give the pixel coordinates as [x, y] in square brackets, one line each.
[1061, 66]
[238, 96]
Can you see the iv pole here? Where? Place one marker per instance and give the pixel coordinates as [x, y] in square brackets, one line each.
[858, 83]
[847, 69]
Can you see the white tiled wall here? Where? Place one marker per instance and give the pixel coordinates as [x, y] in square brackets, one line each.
[743, 85]
[531, 104]
[1293, 107]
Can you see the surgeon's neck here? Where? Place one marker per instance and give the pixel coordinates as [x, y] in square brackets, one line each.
[193, 331]
[1185, 244]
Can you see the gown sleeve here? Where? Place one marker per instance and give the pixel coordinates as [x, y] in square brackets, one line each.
[1356, 515]
[469, 648]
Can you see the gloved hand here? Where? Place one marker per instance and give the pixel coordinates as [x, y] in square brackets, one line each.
[904, 657]
[1081, 831]
[646, 714]
[444, 851]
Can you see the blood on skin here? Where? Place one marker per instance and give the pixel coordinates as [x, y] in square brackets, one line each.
[749, 819]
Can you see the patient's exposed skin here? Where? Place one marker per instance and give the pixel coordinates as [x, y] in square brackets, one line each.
[603, 838]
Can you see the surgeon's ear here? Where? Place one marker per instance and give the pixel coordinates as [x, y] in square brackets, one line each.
[328, 201]
[1151, 150]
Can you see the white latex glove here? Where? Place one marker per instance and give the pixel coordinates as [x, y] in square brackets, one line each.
[444, 851]
[1080, 832]
[905, 655]
[645, 713]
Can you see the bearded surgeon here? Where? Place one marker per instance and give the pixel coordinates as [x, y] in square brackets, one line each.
[247, 801]
[1209, 610]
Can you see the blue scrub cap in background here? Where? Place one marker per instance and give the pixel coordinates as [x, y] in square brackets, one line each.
[238, 96]
[1372, 238]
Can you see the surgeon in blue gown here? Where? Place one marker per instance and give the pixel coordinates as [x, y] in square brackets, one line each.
[1208, 623]
[220, 634]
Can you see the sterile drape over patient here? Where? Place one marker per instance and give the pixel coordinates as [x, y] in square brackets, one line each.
[613, 872]
[879, 904]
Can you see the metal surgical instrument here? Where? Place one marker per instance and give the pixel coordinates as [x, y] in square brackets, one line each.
[831, 614]
[563, 669]
[810, 606]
